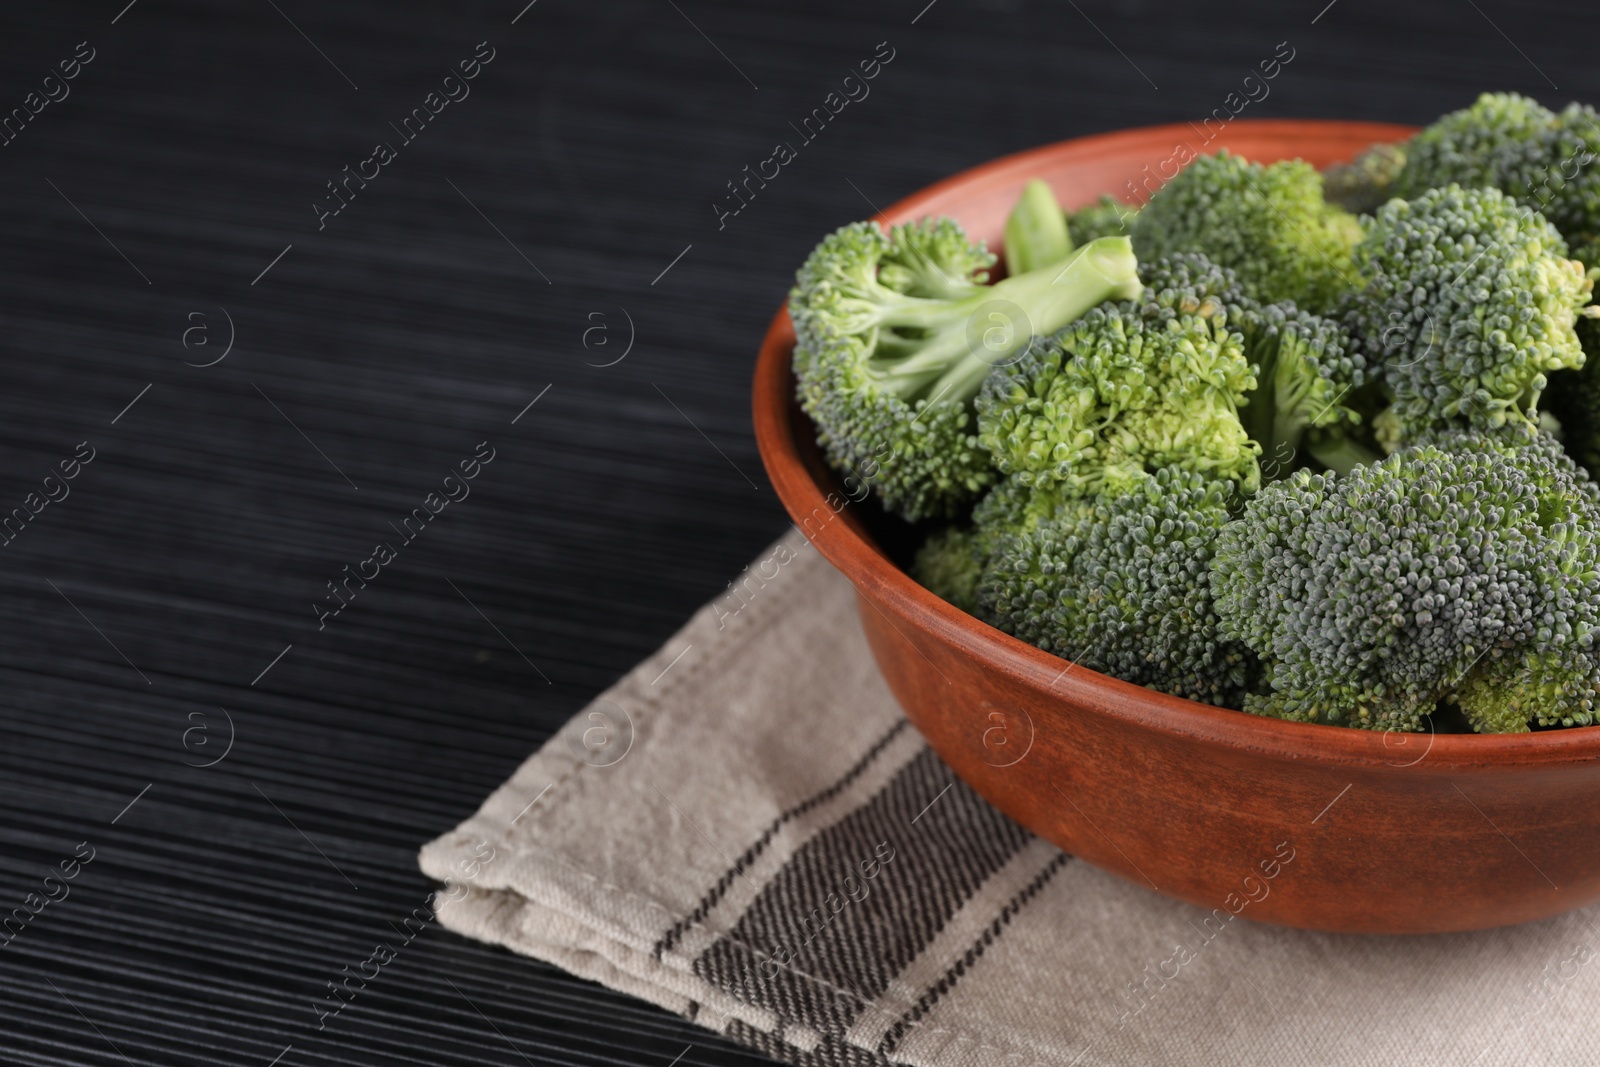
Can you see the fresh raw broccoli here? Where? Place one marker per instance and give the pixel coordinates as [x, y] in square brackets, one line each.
[1469, 303]
[1036, 230]
[1122, 449]
[1270, 225]
[895, 333]
[1128, 388]
[1454, 570]
[1545, 160]
[1551, 675]
[1183, 282]
[1106, 217]
[1500, 142]
[948, 565]
[1366, 182]
[1308, 372]
[1568, 188]
[951, 560]
[1117, 582]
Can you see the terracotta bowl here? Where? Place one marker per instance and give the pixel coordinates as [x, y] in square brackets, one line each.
[1388, 833]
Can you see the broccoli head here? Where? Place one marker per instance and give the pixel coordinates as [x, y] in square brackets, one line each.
[1469, 303]
[1269, 224]
[1543, 159]
[1366, 182]
[1309, 371]
[1117, 582]
[1128, 388]
[894, 335]
[1106, 217]
[1567, 189]
[1551, 673]
[948, 565]
[1500, 142]
[1448, 571]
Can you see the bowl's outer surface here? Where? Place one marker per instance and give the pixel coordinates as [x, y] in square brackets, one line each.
[1389, 833]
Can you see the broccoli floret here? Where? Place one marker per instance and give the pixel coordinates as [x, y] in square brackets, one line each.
[1036, 230]
[1567, 185]
[1551, 674]
[1307, 369]
[1118, 582]
[1269, 224]
[1366, 182]
[896, 333]
[1500, 142]
[1183, 281]
[1449, 571]
[1122, 449]
[950, 560]
[1128, 388]
[1106, 217]
[1543, 159]
[1469, 303]
[947, 565]
[1308, 373]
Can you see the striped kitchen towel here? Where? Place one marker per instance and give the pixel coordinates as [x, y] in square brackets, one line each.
[745, 831]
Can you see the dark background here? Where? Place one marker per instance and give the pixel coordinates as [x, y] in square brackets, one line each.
[398, 338]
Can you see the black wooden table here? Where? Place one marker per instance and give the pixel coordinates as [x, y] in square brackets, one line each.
[257, 342]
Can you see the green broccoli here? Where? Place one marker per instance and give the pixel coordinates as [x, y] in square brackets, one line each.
[894, 335]
[1451, 571]
[1128, 388]
[1036, 230]
[1567, 189]
[951, 560]
[1469, 302]
[1122, 449]
[1106, 217]
[1184, 281]
[1366, 182]
[1500, 142]
[1552, 674]
[1269, 224]
[948, 565]
[1100, 430]
[1117, 582]
[1309, 373]
[1543, 159]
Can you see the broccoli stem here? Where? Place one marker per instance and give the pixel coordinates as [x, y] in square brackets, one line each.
[1282, 414]
[988, 329]
[1050, 298]
[1258, 414]
[1036, 231]
[1338, 452]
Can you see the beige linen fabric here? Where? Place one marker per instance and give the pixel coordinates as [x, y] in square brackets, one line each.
[744, 831]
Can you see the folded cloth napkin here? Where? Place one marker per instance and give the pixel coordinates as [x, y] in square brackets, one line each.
[744, 830]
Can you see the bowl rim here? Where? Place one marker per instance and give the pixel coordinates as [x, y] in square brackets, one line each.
[852, 551]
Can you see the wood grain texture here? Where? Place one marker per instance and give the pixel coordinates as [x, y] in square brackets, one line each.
[396, 339]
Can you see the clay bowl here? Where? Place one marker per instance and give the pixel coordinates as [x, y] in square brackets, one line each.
[1388, 833]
